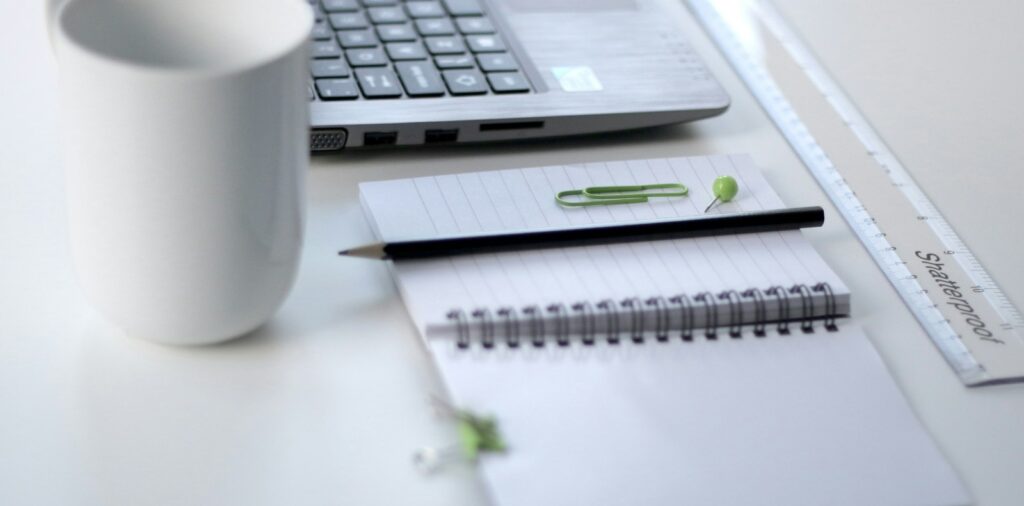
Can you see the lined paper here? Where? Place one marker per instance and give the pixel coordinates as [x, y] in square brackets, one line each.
[519, 199]
[802, 419]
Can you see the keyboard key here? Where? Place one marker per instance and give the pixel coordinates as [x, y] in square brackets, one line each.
[420, 79]
[485, 43]
[325, 49]
[474, 25]
[366, 57]
[321, 31]
[418, 48]
[454, 62]
[329, 68]
[378, 83]
[348, 21]
[399, 51]
[445, 45]
[508, 82]
[463, 7]
[337, 89]
[387, 15]
[341, 5]
[357, 38]
[497, 62]
[397, 33]
[465, 82]
[424, 9]
[440, 26]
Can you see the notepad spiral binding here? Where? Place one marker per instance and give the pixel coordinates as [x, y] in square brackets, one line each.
[528, 323]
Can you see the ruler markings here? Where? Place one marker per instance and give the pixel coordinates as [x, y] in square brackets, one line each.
[866, 226]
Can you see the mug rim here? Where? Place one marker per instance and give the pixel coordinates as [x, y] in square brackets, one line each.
[292, 42]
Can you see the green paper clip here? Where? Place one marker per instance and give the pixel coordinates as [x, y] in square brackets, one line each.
[613, 195]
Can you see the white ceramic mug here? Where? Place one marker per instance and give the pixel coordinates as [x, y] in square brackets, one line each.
[185, 136]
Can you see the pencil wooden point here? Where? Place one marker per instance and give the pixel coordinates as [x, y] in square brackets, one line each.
[375, 250]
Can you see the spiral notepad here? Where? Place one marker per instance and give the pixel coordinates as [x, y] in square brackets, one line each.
[612, 292]
[690, 371]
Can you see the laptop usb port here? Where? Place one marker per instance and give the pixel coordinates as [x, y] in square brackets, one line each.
[380, 138]
[441, 136]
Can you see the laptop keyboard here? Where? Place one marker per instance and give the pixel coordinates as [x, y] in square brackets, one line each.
[378, 49]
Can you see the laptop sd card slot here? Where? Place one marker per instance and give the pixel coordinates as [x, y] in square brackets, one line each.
[511, 125]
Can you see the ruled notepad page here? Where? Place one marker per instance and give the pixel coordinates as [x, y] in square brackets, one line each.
[524, 199]
[796, 420]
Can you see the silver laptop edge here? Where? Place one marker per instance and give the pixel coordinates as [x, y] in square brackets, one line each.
[595, 65]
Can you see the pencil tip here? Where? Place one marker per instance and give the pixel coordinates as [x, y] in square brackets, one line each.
[368, 251]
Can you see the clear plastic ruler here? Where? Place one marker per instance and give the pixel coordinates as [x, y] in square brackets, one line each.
[975, 326]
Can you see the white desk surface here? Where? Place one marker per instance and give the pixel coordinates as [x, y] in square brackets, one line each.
[326, 404]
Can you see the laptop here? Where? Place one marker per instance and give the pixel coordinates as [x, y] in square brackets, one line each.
[413, 72]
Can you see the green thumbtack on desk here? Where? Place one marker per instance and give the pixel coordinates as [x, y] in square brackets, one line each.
[478, 434]
[724, 189]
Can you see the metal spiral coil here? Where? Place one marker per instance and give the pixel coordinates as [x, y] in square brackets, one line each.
[486, 326]
[710, 314]
[611, 320]
[806, 307]
[510, 323]
[686, 315]
[760, 310]
[561, 323]
[725, 311]
[735, 312]
[830, 305]
[461, 327]
[588, 322]
[661, 317]
[782, 297]
[636, 319]
[535, 322]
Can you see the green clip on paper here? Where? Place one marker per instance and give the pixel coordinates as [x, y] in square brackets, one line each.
[612, 195]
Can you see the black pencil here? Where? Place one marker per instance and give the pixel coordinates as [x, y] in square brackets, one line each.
[699, 226]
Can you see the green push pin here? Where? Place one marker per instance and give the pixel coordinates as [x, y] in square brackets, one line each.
[478, 434]
[724, 189]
